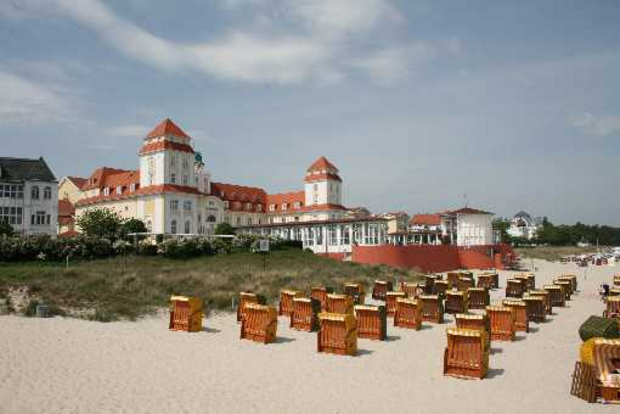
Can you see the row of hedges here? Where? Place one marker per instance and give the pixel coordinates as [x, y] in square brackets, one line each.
[17, 248]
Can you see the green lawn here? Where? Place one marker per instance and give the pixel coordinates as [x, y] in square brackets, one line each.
[106, 292]
[551, 253]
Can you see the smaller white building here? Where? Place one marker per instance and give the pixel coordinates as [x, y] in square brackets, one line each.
[470, 227]
[28, 196]
[524, 226]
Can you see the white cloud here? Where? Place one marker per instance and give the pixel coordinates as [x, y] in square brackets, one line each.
[25, 102]
[596, 125]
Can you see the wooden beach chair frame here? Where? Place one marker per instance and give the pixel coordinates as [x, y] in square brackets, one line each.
[407, 314]
[337, 334]
[535, 308]
[467, 354]
[390, 301]
[337, 303]
[412, 289]
[260, 323]
[541, 293]
[431, 307]
[596, 355]
[456, 302]
[285, 307]
[440, 287]
[557, 296]
[185, 314]
[380, 288]
[515, 288]
[478, 298]
[357, 291]
[320, 293]
[247, 297]
[371, 322]
[522, 320]
[501, 323]
[305, 314]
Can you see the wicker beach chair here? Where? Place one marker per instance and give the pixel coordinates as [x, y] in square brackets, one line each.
[594, 378]
[390, 301]
[338, 334]
[544, 295]
[453, 278]
[614, 291]
[557, 296]
[535, 308]
[407, 314]
[371, 322]
[567, 287]
[412, 289]
[529, 280]
[515, 288]
[467, 354]
[456, 302]
[339, 303]
[478, 298]
[474, 321]
[495, 280]
[502, 323]
[305, 314]
[616, 280]
[286, 301]
[485, 280]
[260, 323]
[441, 287]
[380, 288]
[320, 293]
[247, 297]
[431, 307]
[185, 314]
[573, 280]
[464, 283]
[429, 283]
[522, 321]
[613, 307]
[357, 291]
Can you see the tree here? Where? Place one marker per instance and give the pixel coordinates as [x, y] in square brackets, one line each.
[224, 229]
[133, 225]
[101, 223]
[5, 228]
[502, 226]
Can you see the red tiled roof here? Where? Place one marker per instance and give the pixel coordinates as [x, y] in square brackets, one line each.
[98, 178]
[65, 208]
[150, 190]
[167, 127]
[320, 177]
[468, 210]
[321, 170]
[426, 220]
[164, 145]
[69, 233]
[322, 164]
[286, 198]
[78, 181]
[238, 196]
[324, 207]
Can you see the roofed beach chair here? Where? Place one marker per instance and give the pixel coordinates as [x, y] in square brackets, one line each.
[390, 301]
[515, 288]
[535, 308]
[557, 296]
[596, 376]
[456, 302]
[522, 321]
[485, 280]
[371, 322]
[357, 291]
[573, 280]
[441, 287]
[247, 297]
[185, 314]
[467, 354]
[337, 303]
[429, 283]
[567, 287]
[380, 288]
[541, 293]
[305, 314]
[478, 298]
[338, 334]
[529, 278]
[407, 314]
[474, 321]
[613, 307]
[614, 291]
[431, 307]
[616, 280]
[464, 283]
[260, 323]
[452, 278]
[286, 301]
[320, 293]
[502, 323]
[412, 289]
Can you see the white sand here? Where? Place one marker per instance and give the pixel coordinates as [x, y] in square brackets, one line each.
[63, 365]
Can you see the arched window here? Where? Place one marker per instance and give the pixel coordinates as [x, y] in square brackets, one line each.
[47, 193]
[173, 227]
[187, 227]
[211, 219]
[34, 193]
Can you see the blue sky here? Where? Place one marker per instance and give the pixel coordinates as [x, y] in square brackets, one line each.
[514, 103]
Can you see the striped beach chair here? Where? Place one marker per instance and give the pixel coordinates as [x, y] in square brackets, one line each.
[501, 323]
[260, 323]
[338, 334]
[467, 354]
[185, 314]
[371, 322]
[407, 314]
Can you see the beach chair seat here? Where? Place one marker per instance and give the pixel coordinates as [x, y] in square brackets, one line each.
[464, 283]
[338, 334]
[185, 314]
[478, 298]
[357, 291]
[371, 322]
[544, 295]
[467, 354]
[612, 309]
[320, 293]
[501, 323]
[515, 288]
[380, 288]
[247, 297]
[440, 287]
[390, 301]
[429, 283]
[453, 279]
[305, 314]
[557, 296]
[603, 355]
[535, 306]
[337, 303]
[456, 302]
[286, 301]
[567, 287]
[474, 321]
[412, 289]
[260, 323]
[522, 321]
[431, 307]
[407, 314]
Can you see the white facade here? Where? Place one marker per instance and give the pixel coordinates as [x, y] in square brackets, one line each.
[474, 229]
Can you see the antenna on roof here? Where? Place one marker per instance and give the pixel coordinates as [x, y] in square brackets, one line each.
[465, 198]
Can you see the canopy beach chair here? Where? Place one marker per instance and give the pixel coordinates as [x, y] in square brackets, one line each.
[502, 323]
[305, 314]
[464, 283]
[529, 280]
[453, 278]
[613, 308]
[515, 288]
[540, 293]
[573, 280]
[371, 322]
[247, 297]
[185, 314]
[390, 301]
[617, 280]
[429, 283]
[338, 334]
[320, 293]
[557, 296]
[412, 289]
[485, 280]
[614, 291]
[567, 287]
[431, 307]
[407, 314]
[339, 303]
[522, 321]
[596, 376]
[380, 288]
[456, 302]
[260, 323]
[467, 354]
[441, 287]
[286, 301]
[478, 298]
[474, 321]
[357, 291]
[535, 308]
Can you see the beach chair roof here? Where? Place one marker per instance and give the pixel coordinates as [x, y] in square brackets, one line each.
[599, 353]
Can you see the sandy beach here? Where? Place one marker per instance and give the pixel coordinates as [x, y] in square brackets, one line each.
[63, 365]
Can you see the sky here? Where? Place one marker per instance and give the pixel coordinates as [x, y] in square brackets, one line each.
[423, 105]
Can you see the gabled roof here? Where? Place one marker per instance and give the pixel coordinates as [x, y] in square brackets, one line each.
[467, 210]
[322, 164]
[426, 220]
[22, 169]
[290, 199]
[167, 127]
[99, 177]
[233, 192]
[78, 181]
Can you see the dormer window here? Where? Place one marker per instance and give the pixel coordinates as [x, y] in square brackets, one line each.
[297, 204]
[238, 205]
[233, 195]
[119, 189]
[272, 207]
[248, 206]
[259, 207]
[106, 191]
[132, 187]
[284, 206]
[226, 204]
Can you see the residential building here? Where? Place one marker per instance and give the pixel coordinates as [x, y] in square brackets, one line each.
[468, 226]
[524, 226]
